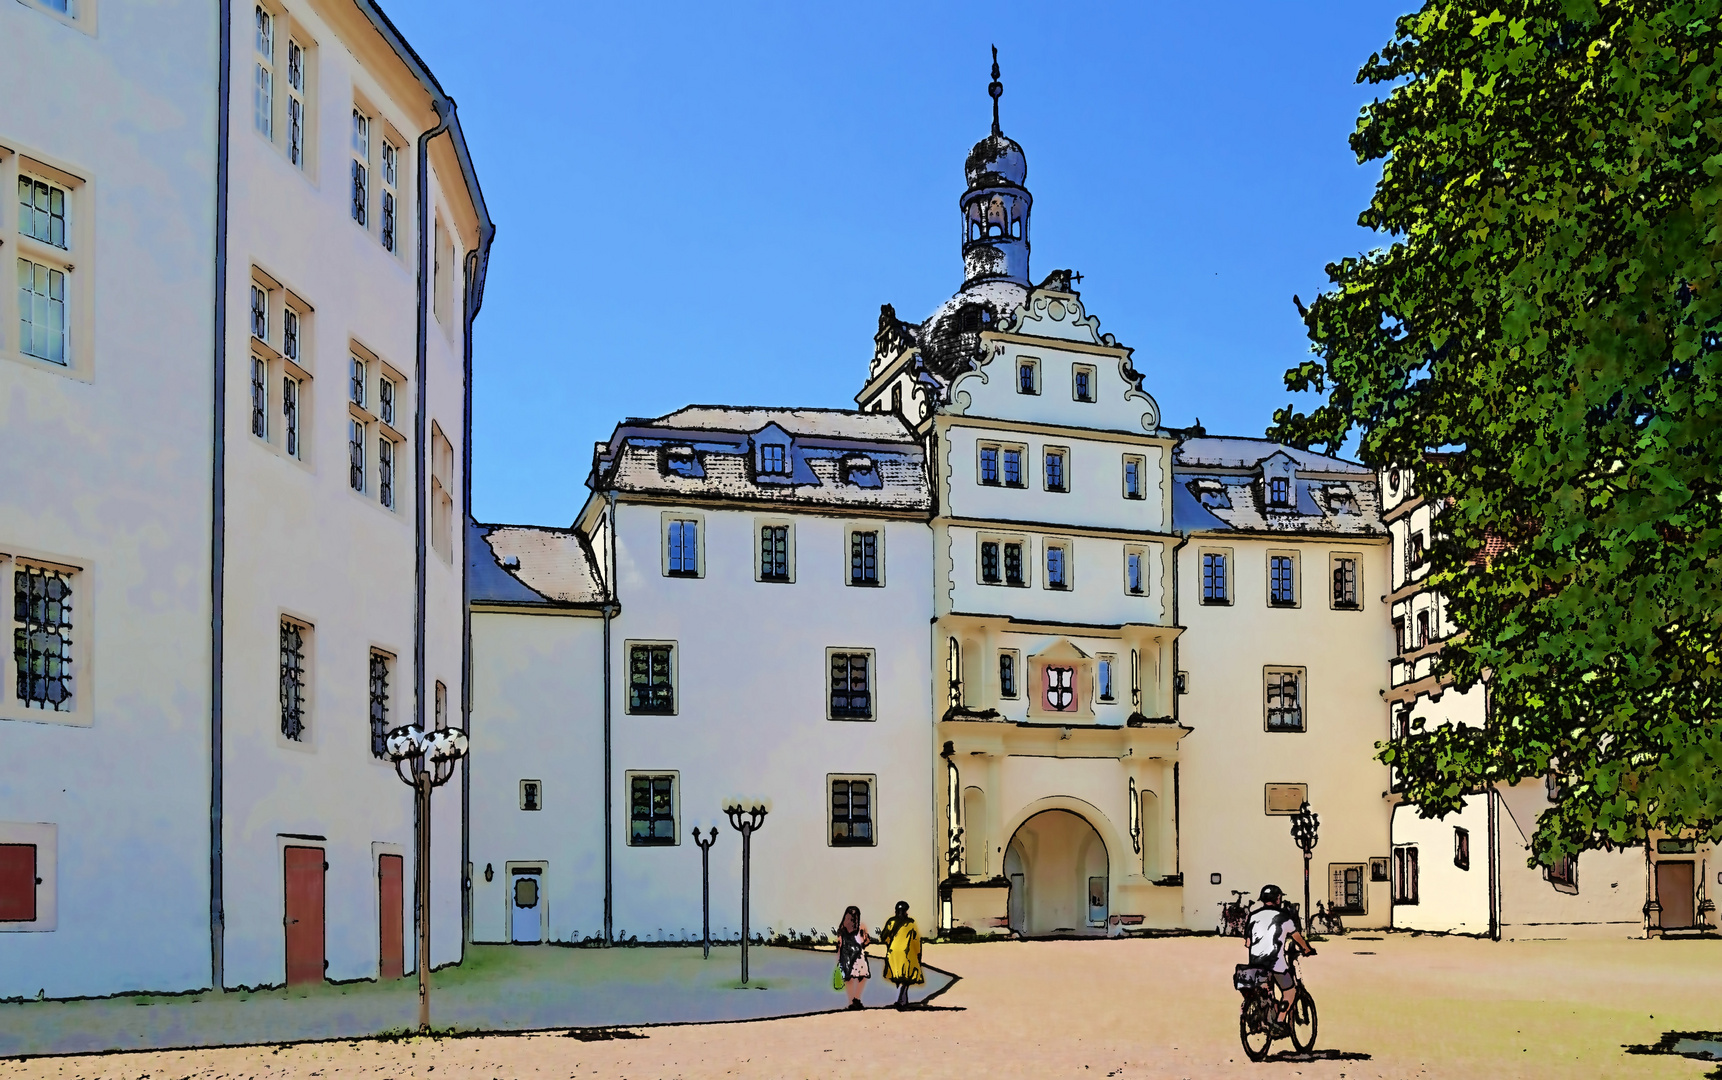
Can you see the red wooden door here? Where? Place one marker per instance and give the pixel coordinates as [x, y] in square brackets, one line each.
[304, 914]
[1675, 891]
[391, 962]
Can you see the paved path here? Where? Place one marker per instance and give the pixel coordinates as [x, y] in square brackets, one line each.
[499, 988]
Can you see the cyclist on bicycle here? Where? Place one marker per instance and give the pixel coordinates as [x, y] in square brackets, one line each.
[1271, 930]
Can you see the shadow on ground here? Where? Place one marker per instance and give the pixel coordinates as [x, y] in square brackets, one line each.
[1701, 1045]
[498, 988]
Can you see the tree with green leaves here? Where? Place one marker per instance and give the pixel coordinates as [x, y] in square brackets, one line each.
[1540, 342]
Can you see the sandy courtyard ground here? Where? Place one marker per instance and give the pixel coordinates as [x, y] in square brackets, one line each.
[1396, 1006]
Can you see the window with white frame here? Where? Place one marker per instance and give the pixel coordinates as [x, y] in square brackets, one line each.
[1279, 492]
[1283, 698]
[291, 440]
[263, 76]
[773, 459]
[1345, 594]
[652, 806]
[1136, 571]
[442, 494]
[42, 322]
[1013, 564]
[1057, 468]
[1082, 382]
[1058, 568]
[45, 657]
[296, 115]
[682, 546]
[1282, 580]
[1011, 457]
[1405, 874]
[851, 683]
[48, 293]
[1135, 466]
[386, 400]
[1027, 376]
[989, 462]
[852, 802]
[992, 570]
[294, 678]
[361, 168]
[776, 551]
[1007, 673]
[1216, 585]
[382, 671]
[260, 397]
[357, 386]
[865, 557]
[652, 678]
[391, 182]
[386, 475]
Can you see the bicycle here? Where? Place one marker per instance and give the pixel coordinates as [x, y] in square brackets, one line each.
[1260, 1007]
[1234, 915]
[1326, 920]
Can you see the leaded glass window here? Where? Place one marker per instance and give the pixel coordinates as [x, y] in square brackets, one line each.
[263, 92]
[361, 167]
[851, 695]
[1055, 568]
[1214, 578]
[652, 813]
[259, 398]
[989, 464]
[290, 414]
[355, 455]
[1025, 378]
[1284, 701]
[1282, 590]
[1013, 564]
[1055, 478]
[42, 637]
[1013, 468]
[259, 313]
[684, 545]
[386, 401]
[356, 381]
[295, 103]
[379, 704]
[386, 471]
[290, 334]
[851, 813]
[990, 562]
[1345, 583]
[1007, 674]
[42, 211]
[863, 558]
[391, 174]
[774, 553]
[651, 687]
[41, 312]
[292, 680]
[1083, 390]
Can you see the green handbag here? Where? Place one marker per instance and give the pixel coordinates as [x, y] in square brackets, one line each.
[837, 977]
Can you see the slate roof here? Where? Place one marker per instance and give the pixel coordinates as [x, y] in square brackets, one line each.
[531, 566]
[834, 458]
[1218, 485]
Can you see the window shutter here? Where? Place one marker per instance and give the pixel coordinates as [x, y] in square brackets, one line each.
[17, 882]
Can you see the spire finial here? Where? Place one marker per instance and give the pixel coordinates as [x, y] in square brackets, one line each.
[995, 88]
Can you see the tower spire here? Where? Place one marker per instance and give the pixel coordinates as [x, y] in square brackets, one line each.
[995, 88]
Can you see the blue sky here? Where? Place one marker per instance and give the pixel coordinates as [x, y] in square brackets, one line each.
[708, 204]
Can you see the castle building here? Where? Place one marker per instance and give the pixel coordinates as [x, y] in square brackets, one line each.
[1063, 734]
[234, 382]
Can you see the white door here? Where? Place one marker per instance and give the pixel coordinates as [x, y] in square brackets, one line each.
[527, 901]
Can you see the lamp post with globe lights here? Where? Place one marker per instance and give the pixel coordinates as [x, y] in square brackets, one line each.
[745, 816]
[424, 760]
[1304, 824]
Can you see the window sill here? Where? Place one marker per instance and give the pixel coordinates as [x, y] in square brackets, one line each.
[852, 719]
[681, 574]
[1283, 604]
[651, 712]
[866, 585]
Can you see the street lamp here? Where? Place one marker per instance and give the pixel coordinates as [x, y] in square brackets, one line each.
[1304, 824]
[424, 760]
[745, 816]
[706, 885]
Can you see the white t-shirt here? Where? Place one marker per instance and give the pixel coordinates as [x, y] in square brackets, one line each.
[1270, 929]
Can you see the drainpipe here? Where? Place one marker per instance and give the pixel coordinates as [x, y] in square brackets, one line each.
[474, 299]
[218, 503]
[609, 781]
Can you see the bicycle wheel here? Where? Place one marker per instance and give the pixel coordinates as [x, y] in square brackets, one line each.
[1253, 1028]
[1303, 1022]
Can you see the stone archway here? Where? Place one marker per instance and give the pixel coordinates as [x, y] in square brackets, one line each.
[1058, 868]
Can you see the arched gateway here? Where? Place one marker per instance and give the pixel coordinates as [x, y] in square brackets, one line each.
[1057, 866]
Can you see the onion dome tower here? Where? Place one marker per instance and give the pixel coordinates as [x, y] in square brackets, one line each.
[996, 205]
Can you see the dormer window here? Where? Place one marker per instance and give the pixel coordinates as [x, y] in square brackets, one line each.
[1340, 500]
[858, 469]
[1279, 492]
[773, 459]
[681, 461]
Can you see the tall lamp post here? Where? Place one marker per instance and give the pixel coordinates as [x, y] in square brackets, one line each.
[706, 885]
[1304, 824]
[745, 816]
[424, 760]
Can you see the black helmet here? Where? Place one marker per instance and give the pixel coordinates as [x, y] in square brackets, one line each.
[1271, 894]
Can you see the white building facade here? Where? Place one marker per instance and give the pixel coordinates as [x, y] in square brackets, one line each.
[237, 440]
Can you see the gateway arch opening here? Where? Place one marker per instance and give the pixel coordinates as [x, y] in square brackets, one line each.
[1057, 866]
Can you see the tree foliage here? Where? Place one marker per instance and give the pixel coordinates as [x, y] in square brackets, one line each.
[1547, 315]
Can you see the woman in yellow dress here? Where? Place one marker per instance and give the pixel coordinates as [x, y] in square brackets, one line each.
[902, 952]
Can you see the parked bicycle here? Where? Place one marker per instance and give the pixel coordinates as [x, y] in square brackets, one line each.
[1234, 915]
[1256, 1016]
[1326, 920]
